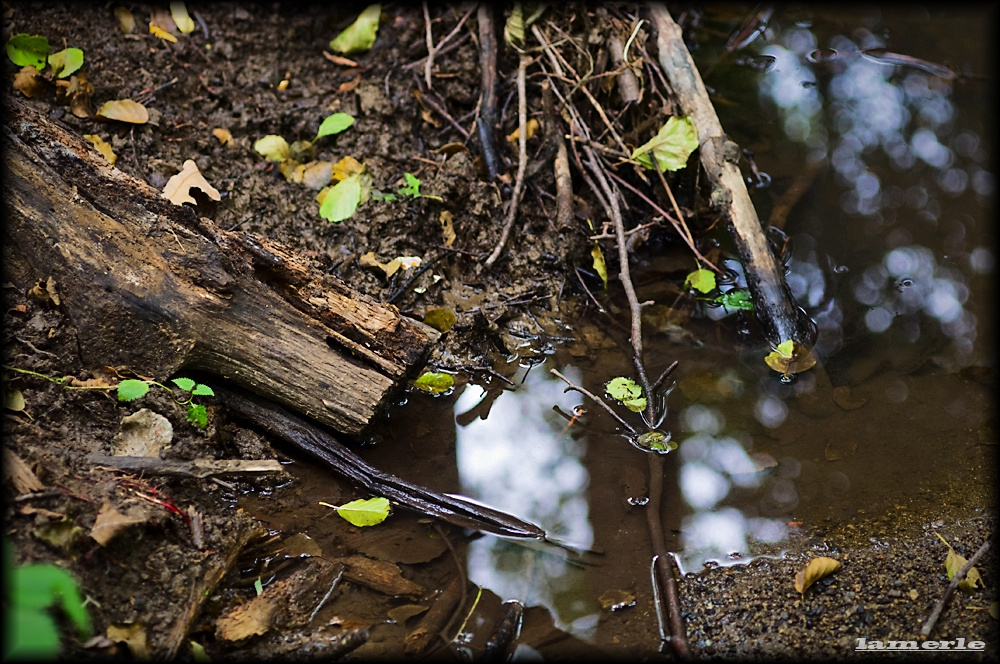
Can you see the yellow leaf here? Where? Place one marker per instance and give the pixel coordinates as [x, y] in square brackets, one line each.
[789, 358]
[347, 167]
[124, 110]
[530, 127]
[102, 147]
[13, 400]
[181, 17]
[954, 563]
[390, 268]
[818, 568]
[599, 265]
[223, 135]
[447, 228]
[30, 82]
[161, 33]
[126, 22]
[273, 147]
[177, 189]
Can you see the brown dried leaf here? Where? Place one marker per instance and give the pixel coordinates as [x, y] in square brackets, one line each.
[30, 82]
[124, 110]
[340, 60]
[818, 568]
[300, 544]
[178, 187]
[530, 128]
[19, 475]
[390, 268]
[99, 381]
[110, 522]
[842, 397]
[133, 635]
[447, 228]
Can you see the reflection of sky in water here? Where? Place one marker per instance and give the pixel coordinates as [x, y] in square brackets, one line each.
[517, 461]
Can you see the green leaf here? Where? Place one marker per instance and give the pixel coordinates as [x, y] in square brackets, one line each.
[599, 265]
[635, 405]
[701, 280]
[341, 201]
[202, 390]
[30, 634]
[360, 35]
[785, 349]
[185, 384]
[365, 512]
[736, 299]
[412, 187]
[623, 389]
[198, 652]
[672, 145]
[36, 587]
[197, 415]
[334, 124]
[655, 441]
[132, 389]
[434, 382]
[66, 62]
[258, 586]
[26, 50]
[273, 147]
[513, 30]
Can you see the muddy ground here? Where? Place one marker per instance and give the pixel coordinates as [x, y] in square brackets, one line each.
[255, 70]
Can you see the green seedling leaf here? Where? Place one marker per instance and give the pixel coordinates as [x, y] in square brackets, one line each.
[132, 389]
[197, 415]
[671, 146]
[434, 382]
[365, 512]
[33, 632]
[25, 50]
[272, 147]
[341, 201]
[334, 124]
[258, 586]
[185, 384]
[198, 653]
[412, 187]
[701, 280]
[202, 390]
[655, 441]
[360, 35]
[66, 62]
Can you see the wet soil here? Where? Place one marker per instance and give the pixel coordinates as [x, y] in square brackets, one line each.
[186, 566]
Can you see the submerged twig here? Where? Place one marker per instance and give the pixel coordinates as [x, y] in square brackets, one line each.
[522, 161]
[585, 392]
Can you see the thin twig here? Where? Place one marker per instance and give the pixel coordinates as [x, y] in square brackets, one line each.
[582, 390]
[434, 106]
[522, 161]
[429, 63]
[488, 67]
[950, 590]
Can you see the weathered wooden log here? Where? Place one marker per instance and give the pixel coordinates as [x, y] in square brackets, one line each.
[779, 315]
[154, 287]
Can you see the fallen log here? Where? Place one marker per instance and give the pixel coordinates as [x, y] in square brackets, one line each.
[781, 318]
[152, 286]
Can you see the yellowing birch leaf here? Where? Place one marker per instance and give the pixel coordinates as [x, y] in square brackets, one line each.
[178, 188]
[272, 147]
[789, 358]
[102, 147]
[818, 568]
[181, 17]
[124, 110]
[360, 35]
[599, 264]
[954, 563]
[701, 280]
[366, 512]
[671, 146]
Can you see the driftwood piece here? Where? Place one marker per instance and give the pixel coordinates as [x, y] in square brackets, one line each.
[151, 286]
[198, 468]
[781, 318]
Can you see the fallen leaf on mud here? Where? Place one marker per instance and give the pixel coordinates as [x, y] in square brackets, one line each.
[300, 544]
[110, 522]
[378, 575]
[76, 92]
[272, 147]
[401, 614]
[178, 187]
[440, 319]
[615, 600]
[224, 136]
[390, 268]
[347, 167]
[839, 449]
[28, 510]
[132, 635]
[315, 175]
[66, 62]
[30, 82]
[818, 568]
[103, 147]
[452, 148]
[124, 110]
[447, 228]
[182, 19]
[13, 400]
[842, 397]
[143, 433]
[61, 534]
[17, 473]
[161, 19]
[360, 35]
[954, 563]
[126, 22]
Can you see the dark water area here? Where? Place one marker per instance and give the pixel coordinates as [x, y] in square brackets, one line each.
[891, 250]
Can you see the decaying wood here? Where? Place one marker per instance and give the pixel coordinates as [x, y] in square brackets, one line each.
[199, 468]
[774, 304]
[435, 620]
[151, 286]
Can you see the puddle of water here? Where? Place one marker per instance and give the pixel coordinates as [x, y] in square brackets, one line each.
[891, 252]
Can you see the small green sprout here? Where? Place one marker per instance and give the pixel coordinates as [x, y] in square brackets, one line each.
[132, 389]
[411, 190]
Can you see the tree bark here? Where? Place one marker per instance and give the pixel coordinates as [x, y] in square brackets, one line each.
[154, 287]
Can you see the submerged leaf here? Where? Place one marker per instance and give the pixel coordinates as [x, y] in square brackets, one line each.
[124, 110]
[671, 146]
[365, 512]
[434, 382]
[655, 441]
[818, 568]
[701, 280]
[360, 35]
